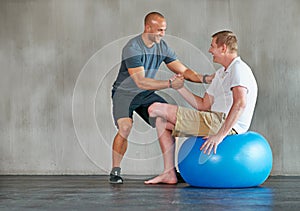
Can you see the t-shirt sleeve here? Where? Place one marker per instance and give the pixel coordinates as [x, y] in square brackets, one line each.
[170, 57]
[239, 78]
[170, 54]
[132, 57]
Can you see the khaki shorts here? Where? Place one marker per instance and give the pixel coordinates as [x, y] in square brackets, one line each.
[198, 123]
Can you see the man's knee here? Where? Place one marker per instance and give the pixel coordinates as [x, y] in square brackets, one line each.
[125, 128]
[153, 108]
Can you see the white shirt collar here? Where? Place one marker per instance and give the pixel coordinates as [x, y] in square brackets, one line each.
[233, 61]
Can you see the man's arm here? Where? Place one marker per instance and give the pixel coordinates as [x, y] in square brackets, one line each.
[199, 103]
[237, 108]
[138, 75]
[189, 74]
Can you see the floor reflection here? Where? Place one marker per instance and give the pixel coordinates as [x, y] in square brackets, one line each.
[257, 197]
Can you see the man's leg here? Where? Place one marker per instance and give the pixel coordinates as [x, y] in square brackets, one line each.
[119, 148]
[164, 110]
[165, 120]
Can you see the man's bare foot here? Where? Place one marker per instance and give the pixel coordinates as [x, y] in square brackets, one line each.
[165, 178]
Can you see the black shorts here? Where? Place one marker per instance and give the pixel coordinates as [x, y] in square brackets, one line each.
[124, 103]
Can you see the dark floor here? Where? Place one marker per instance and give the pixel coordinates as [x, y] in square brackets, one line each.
[94, 193]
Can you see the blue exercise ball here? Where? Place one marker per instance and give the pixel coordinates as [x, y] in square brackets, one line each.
[243, 160]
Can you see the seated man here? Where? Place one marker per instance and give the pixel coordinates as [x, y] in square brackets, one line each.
[226, 108]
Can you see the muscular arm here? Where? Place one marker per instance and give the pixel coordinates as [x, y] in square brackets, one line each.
[189, 74]
[237, 108]
[199, 103]
[138, 75]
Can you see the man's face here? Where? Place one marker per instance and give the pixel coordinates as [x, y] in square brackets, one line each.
[215, 51]
[157, 29]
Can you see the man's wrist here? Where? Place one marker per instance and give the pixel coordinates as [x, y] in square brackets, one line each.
[204, 79]
[170, 83]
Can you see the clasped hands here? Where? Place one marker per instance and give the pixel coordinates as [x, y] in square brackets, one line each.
[177, 81]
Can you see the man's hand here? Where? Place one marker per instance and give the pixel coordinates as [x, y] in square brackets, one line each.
[211, 143]
[177, 81]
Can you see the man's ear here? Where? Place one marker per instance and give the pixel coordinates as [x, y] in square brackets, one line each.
[147, 27]
[224, 48]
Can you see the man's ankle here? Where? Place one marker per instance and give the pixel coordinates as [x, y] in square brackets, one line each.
[116, 171]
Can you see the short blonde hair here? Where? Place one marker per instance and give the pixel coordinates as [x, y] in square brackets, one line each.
[228, 38]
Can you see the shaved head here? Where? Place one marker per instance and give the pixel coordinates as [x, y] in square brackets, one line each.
[152, 16]
[155, 28]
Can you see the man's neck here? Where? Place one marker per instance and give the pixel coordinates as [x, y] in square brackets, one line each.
[228, 60]
[146, 41]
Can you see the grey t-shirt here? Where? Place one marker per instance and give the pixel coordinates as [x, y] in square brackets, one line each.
[137, 54]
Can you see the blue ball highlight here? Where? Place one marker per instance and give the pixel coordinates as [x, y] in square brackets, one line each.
[243, 160]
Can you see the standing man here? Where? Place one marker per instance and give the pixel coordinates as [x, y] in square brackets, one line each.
[134, 88]
[226, 108]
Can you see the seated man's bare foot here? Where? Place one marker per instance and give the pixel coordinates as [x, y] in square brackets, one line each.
[165, 178]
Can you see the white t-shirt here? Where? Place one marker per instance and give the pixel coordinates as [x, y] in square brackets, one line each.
[237, 74]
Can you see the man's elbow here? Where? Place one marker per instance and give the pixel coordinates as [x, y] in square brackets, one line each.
[140, 85]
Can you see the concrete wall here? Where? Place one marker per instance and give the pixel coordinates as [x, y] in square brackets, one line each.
[59, 57]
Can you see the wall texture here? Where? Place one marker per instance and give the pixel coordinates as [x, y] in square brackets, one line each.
[59, 58]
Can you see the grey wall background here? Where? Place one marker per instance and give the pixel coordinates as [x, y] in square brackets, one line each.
[59, 57]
